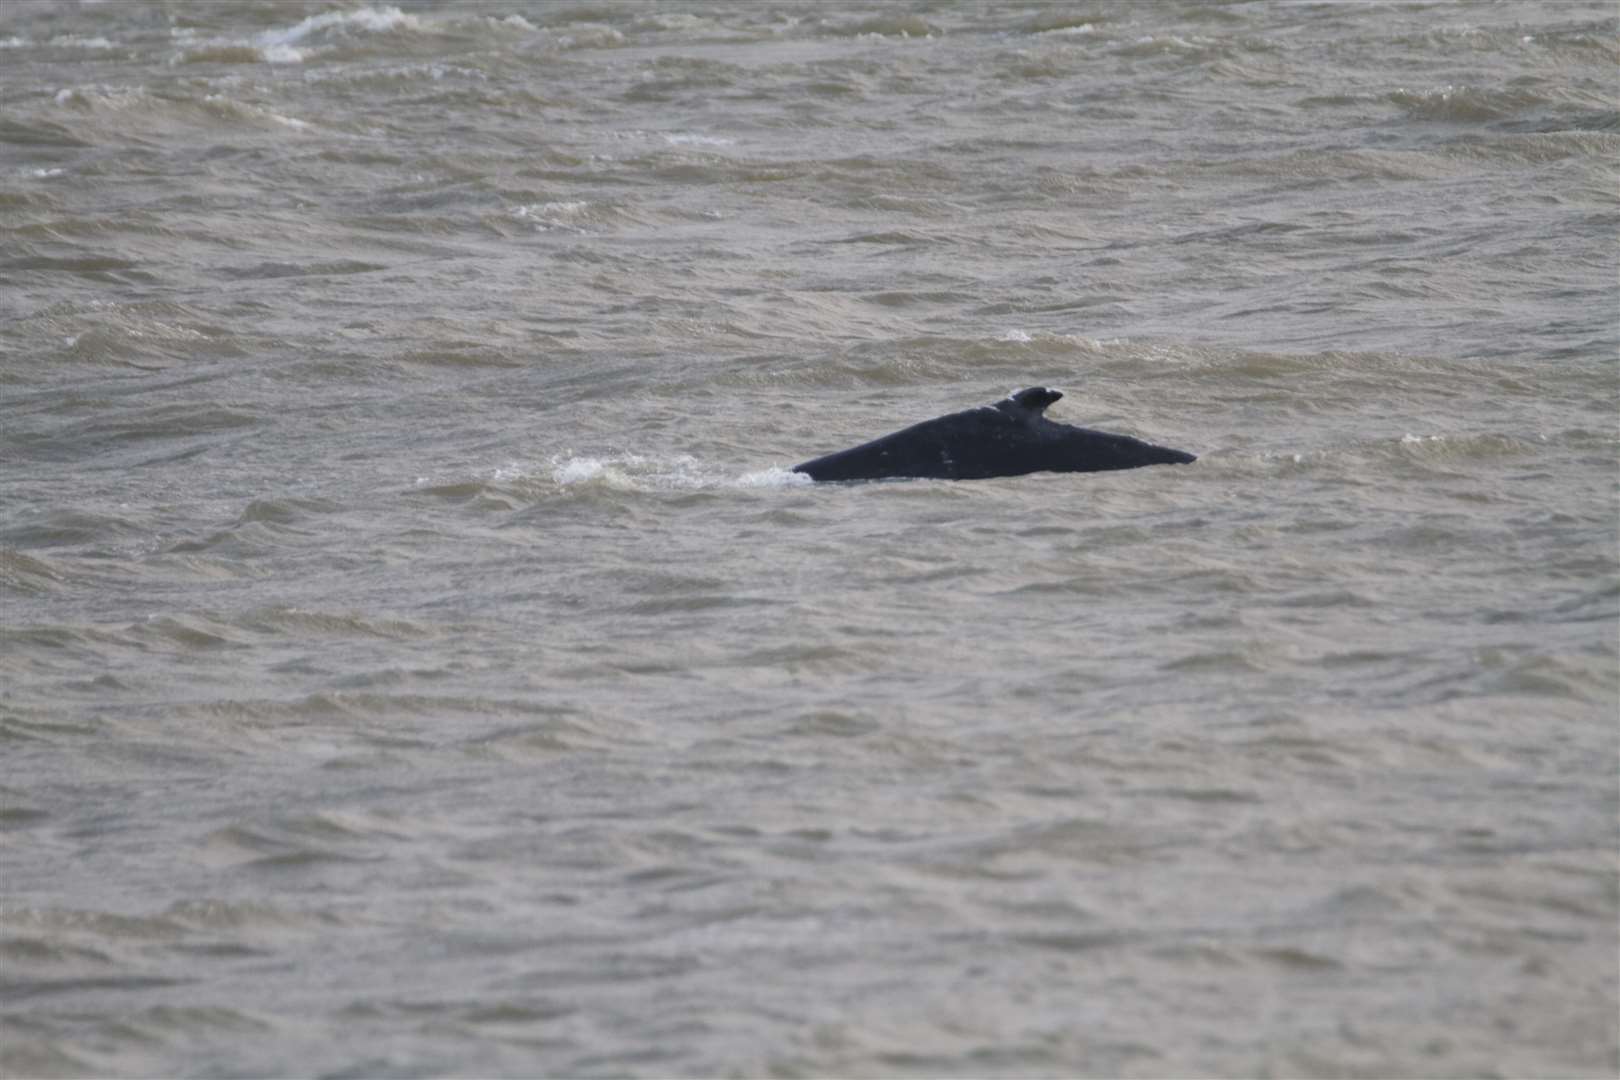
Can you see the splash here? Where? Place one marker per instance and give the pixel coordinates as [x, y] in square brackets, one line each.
[675, 472]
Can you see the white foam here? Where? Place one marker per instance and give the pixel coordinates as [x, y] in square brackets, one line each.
[1091, 344]
[547, 208]
[279, 46]
[366, 18]
[1017, 336]
[440, 72]
[590, 37]
[686, 138]
[15, 42]
[678, 472]
[677, 20]
[578, 470]
[76, 41]
[553, 215]
[281, 54]
[512, 470]
[776, 476]
[237, 108]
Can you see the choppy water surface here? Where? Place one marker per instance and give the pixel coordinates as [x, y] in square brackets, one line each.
[417, 659]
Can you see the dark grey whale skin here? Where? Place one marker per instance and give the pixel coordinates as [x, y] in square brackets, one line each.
[1009, 438]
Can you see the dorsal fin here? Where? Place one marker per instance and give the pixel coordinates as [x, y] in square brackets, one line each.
[1033, 399]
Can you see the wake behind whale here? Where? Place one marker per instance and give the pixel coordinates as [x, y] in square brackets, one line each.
[1009, 438]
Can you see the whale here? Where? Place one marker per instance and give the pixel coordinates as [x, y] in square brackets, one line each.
[1011, 437]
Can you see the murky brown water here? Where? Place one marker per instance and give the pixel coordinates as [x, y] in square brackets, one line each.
[416, 659]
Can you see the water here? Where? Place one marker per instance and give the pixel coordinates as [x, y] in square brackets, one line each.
[418, 660]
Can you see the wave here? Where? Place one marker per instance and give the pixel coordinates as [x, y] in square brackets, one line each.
[888, 24]
[1466, 104]
[30, 574]
[96, 111]
[65, 527]
[381, 29]
[147, 335]
[573, 215]
[283, 46]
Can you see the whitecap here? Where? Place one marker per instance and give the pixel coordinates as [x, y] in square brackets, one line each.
[578, 470]
[277, 45]
[686, 138]
[1091, 344]
[281, 54]
[553, 215]
[590, 37]
[76, 41]
[236, 109]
